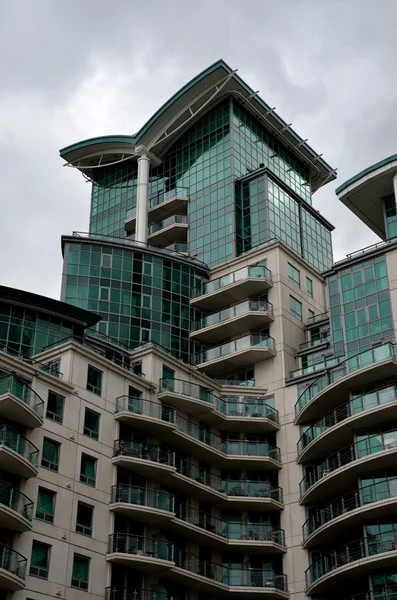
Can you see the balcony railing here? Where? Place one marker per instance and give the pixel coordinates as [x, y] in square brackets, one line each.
[369, 546]
[254, 340]
[240, 406]
[369, 494]
[322, 363]
[51, 367]
[160, 197]
[253, 489]
[203, 476]
[383, 593]
[235, 382]
[138, 450]
[359, 404]
[131, 494]
[350, 365]
[233, 311]
[366, 447]
[11, 385]
[13, 440]
[185, 388]
[12, 561]
[313, 343]
[179, 247]
[173, 220]
[319, 317]
[15, 500]
[259, 271]
[126, 593]
[138, 406]
[126, 543]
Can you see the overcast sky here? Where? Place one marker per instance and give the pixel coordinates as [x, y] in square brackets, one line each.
[82, 68]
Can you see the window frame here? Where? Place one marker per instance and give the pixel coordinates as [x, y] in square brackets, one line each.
[86, 478]
[294, 276]
[309, 287]
[36, 543]
[91, 432]
[53, 415]
[91, 387]
[80, 528]
[50, 517]
[294, 313]
[82, 583]
[47, 466]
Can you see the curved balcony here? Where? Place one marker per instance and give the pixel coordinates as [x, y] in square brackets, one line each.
[171, 230]
[236, 354]
[188, 397]
[351, 560]
[331, 519]
[144, 459]
[337, 426]
[244, 414]
[364, 368]
[129, 593]
[161, 205]
[142, 553]
[150, 506]
[19, 403]
[152, 417]
[261, 495]
[232, 288]
[16, 509]
[12, 569]
[17, 454]
[384, 593]
[342, 467]
[232, 321]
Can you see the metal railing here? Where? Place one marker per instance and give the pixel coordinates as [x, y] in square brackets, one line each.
[131, 494]
[366, 447]
[127, 593]
[259, 271]
[320, 364]
[139, 406]
[13, 440]
[12, 561]
[242, 343]
[370, 545]
[127, 543]
[9, 384]
[159, 198]
[174, 219]
[144, 451]
[253, 489]
[196, 473]
[235, 382]
[366, 401]
[320, 317]
[233, 311]
[185, 388]
[178, 247]
[51, 367]
[15, 500]
[241, 406]
[384, 593]
[369, 494]
[313, 343]
[361, 360]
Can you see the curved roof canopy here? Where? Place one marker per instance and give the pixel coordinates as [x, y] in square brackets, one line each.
[195, 98]
[363, 194]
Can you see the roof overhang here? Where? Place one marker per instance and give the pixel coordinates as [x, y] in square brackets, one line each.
[363, 194]
[198, 95]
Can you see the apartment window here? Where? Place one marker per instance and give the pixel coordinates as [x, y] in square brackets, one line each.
[94, 380]
[309, 287]
[106, 261]
[81, 571]
[53, 368]
[87, 470]
[295, 307]
[50, 454]
[55, 404]
[168, 373]
[40, 560]
[294, 275]
[311, 316]
[91, 423]
[45, 506]
[84, 518]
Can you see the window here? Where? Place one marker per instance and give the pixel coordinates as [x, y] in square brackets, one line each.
[94, 380]
[50, 455]
[45, 505]
[40, 560]
[84, 518]
[81, 571]
[87, 470]
[91, 423]
[295, 307]
[168, 374]
[55, 407]
[106, 261]
[294, 275]
[311, 316]
[309, 287]
[53, 368]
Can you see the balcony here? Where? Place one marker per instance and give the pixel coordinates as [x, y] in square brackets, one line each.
[19, 403]
[129, 593]
[150, 506]
[317, 319]
[16, 509]
[142, 553]
[12, 569]
[172, 230]
[161, 205]
[232, 288]
[253, 495]
[364, 368]
[188, 397]
[235, 354]
[342, 467]
[152, 417]
[383, 593]
[244, 414]
[351, 560]
[314, 345]
[17, 454]
[329, 520]
[369, 409]
[232, 321]
[144, 459]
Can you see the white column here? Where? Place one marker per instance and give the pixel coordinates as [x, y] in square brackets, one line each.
[395, 187]
[142, 199]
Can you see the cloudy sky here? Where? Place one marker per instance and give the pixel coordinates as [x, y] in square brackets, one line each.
[77, 69]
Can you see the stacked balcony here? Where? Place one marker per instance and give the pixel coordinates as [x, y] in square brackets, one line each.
[19, 403]
[162, 205]
[12, 569]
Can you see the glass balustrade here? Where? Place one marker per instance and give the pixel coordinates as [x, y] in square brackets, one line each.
[382, 593]
[131, 494]
[253, 489]
[159, 198]
[126, 593]
[131, 449]
[185, 388]
[15, 500]
[240, 406]
[11, 385]
[139, 406]
[173, 220]
[126, 543]
[259, 271]
[13, 440]
[242, 343]
[233, 311]
[312, 343]
[12, 561]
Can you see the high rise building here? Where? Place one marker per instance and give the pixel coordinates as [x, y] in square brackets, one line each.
[209, 412]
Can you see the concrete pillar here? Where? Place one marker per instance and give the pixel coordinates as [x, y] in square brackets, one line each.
[142, 199]
[395, 187]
